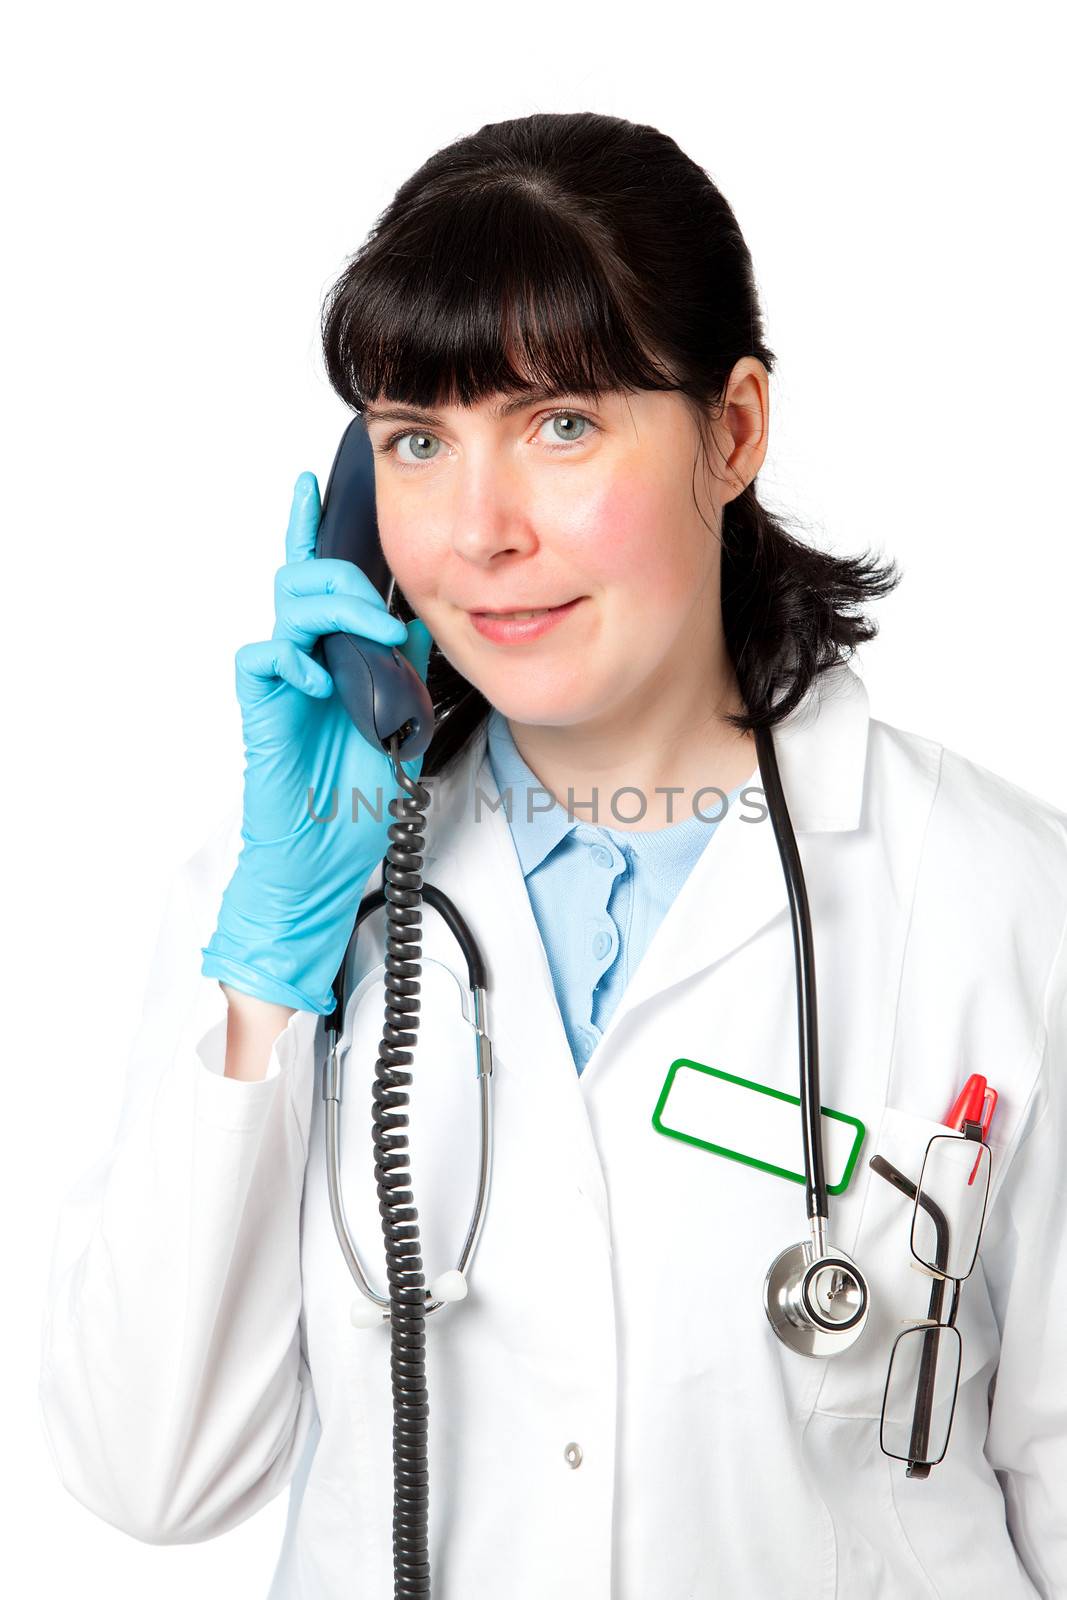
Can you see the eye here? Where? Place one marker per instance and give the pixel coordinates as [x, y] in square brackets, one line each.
[420, 442]
[569, 427]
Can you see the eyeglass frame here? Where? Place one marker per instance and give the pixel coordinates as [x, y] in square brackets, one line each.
[924, 1389]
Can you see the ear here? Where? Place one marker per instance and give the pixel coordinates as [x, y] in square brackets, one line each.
[417, 646]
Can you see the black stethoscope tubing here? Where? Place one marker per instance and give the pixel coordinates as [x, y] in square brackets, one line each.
[804, 954]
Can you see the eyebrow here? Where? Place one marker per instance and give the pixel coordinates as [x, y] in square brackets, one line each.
[505, 408]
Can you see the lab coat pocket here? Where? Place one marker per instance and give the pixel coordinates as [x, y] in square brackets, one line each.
[854, 1381]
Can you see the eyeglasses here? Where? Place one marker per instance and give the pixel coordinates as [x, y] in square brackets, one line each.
[946, 1230]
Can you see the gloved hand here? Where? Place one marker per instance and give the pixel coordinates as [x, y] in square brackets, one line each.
[288, 911]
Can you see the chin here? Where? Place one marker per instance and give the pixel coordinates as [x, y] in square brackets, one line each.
[540, 711]
[538, 694]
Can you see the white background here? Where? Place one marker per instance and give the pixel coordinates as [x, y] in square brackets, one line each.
[183, 184]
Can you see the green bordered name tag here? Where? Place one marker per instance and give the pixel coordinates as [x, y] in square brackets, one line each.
[753, 1123]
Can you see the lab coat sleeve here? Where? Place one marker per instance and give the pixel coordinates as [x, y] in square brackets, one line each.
[1027, 1274]
[174, 1387]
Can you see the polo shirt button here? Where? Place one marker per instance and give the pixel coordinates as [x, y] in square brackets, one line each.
[601, 944]
[573, 1454]
[602, 856]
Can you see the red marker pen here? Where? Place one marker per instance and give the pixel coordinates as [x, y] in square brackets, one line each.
[976, 1102]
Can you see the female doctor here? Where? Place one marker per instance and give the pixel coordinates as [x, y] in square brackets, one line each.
[554, 339]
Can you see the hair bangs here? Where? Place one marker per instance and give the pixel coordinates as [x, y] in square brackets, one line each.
[497, 293]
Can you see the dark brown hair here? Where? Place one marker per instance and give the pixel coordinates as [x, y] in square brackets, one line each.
[603, 255]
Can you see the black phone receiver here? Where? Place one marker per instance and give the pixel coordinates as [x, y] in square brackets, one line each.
[379, 688]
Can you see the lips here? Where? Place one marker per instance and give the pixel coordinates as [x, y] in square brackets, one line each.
[518, 611]
[507, 628]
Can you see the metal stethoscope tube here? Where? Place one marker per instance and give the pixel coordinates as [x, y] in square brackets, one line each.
[450, 1285]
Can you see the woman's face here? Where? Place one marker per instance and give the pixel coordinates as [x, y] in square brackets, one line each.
[607, 505]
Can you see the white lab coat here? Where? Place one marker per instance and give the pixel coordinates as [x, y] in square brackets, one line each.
[198, 1354]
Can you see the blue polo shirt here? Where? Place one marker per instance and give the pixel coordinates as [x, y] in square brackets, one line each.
[598, 894]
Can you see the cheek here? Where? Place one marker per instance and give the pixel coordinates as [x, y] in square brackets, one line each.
[415, 564]
[636, 537]
[414, 556]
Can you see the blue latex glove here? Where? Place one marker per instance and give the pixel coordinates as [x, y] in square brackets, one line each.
[289, 909]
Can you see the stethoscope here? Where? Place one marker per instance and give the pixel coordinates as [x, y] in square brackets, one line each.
[816, 1298]
[370, 1308]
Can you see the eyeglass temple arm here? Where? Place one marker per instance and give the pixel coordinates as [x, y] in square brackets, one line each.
[886, 1169]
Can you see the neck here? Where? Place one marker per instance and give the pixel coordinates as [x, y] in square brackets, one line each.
[667, 748]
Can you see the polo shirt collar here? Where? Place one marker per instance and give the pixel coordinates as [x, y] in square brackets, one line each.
[539, 821]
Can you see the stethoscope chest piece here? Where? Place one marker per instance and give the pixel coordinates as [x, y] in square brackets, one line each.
[817, 1304]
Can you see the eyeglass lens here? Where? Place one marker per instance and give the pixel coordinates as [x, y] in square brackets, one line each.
[925, 1367]
[950, 1205]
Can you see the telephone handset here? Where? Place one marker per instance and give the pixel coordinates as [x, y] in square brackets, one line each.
[378, 687]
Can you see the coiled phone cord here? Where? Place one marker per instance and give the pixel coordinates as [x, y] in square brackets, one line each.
[402, 881]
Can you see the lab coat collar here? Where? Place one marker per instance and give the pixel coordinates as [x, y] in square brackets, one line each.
[735, 888]
[822, 753]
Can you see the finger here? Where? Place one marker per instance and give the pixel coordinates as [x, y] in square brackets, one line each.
[306, 618]
[324, 575]
[304, 516]
[417, 646]
[260, 667]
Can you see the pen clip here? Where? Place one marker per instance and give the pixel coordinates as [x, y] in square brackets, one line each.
[988, 1108]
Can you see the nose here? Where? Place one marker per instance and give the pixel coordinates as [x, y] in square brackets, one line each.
[491, 514]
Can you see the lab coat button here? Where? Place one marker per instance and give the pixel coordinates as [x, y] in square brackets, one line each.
[573, 1454]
